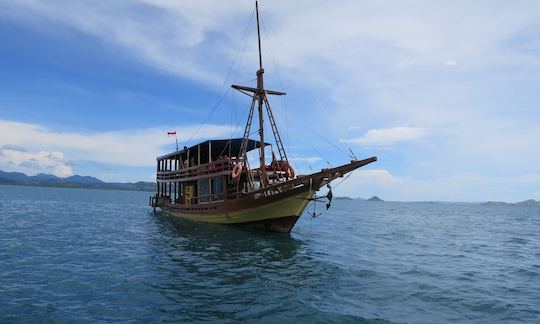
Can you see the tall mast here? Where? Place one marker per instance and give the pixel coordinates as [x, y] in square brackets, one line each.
[261, 99]
[258, 34]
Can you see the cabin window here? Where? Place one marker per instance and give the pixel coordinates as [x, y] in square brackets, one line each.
[203, 191]
[217, 188]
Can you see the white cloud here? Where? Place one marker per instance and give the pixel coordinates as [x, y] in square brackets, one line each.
[364, 183]
[129, 148]
[307, 159]
[450, 63]
[169, 35]
[455, 187]
[387, 136]
[361, 40]
[32, 163]
[377, 177]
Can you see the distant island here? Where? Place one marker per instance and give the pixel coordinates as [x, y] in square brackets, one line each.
[374, 198]
[75, 181]
[343, 198]
[526, 203]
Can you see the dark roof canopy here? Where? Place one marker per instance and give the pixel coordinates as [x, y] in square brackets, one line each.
[219, 147]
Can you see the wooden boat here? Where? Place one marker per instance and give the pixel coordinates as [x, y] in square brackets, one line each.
[213, 182]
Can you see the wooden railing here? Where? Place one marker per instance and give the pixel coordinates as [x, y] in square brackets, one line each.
[197, 171]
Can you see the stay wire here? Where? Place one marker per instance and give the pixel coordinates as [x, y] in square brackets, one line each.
[320, 155]
[243, 46]
[342, 180]
[235, 129]
[276, 68]
[224, 95]
[329, 143]
[293, 61]
[317, 100]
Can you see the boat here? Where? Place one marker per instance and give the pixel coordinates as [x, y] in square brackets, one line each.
[213, 181]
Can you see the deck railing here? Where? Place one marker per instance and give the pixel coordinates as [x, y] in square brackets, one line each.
[221, 165]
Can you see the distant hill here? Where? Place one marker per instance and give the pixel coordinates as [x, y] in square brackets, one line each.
[75, 181]
[529, 203]
[526, 203]
[343, 198]
[83, 179]
[375, 198]
[497, 203]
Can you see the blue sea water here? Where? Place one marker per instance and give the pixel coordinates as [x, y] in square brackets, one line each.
[102, 256]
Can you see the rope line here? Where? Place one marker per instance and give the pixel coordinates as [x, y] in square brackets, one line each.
[330, 143]
[276, 68]
[222, 95]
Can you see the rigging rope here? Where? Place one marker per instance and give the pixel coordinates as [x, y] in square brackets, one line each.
[330, 143]
[235, 128]
[314, 96]
[236, 122]
[207, 117]
[320, 155]
[224, 95]
[347, 177]
[276, 68]
[293, 61]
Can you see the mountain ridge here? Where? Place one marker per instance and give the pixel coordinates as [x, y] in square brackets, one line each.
[74, 181]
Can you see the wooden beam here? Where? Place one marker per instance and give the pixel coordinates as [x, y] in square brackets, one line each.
[255, 90]
[210, 151]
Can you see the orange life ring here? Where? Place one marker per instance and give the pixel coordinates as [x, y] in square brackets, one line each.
[290, 171]
[237, 170]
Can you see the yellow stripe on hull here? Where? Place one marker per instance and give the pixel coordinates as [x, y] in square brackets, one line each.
[293, 206]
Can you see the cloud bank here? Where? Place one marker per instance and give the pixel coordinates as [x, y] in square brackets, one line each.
[388, 136]
[127, 148]
[31, 163]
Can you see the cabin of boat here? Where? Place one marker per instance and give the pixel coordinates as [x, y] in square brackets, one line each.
[202, 174]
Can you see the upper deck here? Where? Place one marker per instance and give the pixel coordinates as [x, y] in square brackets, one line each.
[212, 149]
[211, 157]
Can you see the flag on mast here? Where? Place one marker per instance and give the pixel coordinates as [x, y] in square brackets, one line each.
[169, 133]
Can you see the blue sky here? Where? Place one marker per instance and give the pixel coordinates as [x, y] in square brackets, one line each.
[445, 94]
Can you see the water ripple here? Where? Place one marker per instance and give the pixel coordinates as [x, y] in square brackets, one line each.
[101, 256]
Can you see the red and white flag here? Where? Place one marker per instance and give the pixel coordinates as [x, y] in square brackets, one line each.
[171, 133]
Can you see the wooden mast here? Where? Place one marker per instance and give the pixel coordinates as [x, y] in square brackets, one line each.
[259, 35]
[261, 99]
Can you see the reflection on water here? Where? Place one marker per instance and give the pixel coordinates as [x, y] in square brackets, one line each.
[225, 241]
[231, 272]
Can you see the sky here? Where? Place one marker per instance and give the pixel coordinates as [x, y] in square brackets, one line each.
[445, 93]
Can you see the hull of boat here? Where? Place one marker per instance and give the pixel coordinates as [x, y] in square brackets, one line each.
[275, 215]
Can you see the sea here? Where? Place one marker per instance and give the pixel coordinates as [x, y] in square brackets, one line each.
[77, 255]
